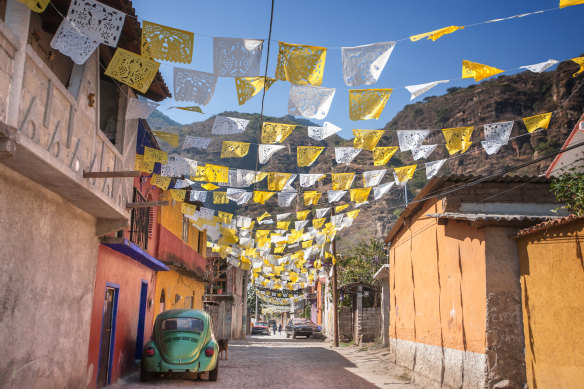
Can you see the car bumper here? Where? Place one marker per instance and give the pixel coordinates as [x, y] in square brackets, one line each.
[157, 364]
[302, 333]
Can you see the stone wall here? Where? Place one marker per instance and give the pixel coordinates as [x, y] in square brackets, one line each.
[371, 324]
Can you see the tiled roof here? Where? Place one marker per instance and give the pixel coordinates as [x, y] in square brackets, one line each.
[546, 225]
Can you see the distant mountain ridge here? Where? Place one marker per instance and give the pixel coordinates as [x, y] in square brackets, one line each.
[494, 100]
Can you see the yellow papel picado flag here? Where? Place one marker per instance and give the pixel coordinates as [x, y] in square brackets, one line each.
[216, 173]
[317, 223]
[260, 196]
[178, 194]
[248, 87]
[154, 155]
[131, 69]
[306, 155]
[340, 208]
[231, 149]
[366, 139]
[532, 123]
[405, 173]
[478, 71]
[277, 181]
[143, 166]
[160, 181]
[457, 139]
[220, 198]
[436, 33]
[342, 181]
[263, 216]
[166, 43]
[382, 155]
[301, 215]
[365, 104]
[360, 195]
[209, 186]
[300, 64]
[580, 62]
[276, 132]
[168, 137]
[311, 197]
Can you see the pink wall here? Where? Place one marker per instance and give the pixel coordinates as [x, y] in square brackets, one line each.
[116, 268]
[172, 249]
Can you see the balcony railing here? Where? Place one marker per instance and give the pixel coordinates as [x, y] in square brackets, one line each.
[140, 222]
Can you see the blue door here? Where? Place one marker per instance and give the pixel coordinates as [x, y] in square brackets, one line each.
[141, 319]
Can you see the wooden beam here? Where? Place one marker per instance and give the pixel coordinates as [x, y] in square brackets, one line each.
[129, 173]
[146, 204]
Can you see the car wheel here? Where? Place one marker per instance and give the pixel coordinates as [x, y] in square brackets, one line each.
[213, 374]
[146, 376]
[294, 336]
[287, 335]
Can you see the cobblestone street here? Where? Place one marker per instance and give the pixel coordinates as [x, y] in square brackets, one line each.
[277, 362]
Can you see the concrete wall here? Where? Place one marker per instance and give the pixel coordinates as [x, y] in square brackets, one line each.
[116, 268]
[505, 343]
[438, 301]
[46, 286]
[552, 281]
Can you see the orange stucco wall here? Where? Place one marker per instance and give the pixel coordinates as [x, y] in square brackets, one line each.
[552, 282]
[437, 283]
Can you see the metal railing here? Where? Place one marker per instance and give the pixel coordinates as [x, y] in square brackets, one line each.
[140, 222]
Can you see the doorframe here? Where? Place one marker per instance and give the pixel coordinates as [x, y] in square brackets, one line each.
[141, 316]
[116, 287]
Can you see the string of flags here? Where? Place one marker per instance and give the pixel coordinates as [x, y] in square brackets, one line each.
[302, 65]
[285, 259]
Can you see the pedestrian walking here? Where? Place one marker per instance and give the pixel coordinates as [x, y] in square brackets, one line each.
[274, 328]
[279, 329]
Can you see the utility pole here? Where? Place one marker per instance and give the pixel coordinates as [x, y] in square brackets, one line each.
[335, 297]
[256, 313]
[406, 192]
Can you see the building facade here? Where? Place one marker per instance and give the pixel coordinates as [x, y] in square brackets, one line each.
[57, 120]
[454, 291]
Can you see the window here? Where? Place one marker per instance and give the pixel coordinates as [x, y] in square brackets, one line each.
[202, 242]
[109, 99]
[183, 324]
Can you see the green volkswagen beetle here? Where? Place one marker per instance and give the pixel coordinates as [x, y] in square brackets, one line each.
[182, 342]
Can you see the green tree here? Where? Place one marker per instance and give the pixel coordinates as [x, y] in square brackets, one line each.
[361, 262]
[569, 188]
[251, 301]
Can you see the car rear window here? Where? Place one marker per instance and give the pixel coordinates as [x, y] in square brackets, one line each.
[261, 324]
[182, 324]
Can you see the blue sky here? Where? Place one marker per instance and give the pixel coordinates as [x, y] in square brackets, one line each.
[332, 24]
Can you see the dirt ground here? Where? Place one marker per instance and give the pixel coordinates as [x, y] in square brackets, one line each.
[276, 362]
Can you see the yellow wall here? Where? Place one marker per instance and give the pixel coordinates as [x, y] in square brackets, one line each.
[552, 281]
[171, 217]
[175, 283]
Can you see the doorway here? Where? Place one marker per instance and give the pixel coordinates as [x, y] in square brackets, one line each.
[141, 319]
[107, 338]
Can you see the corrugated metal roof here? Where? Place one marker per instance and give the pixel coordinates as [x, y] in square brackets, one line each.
[548, 224]
[485, 217]
[440, 181]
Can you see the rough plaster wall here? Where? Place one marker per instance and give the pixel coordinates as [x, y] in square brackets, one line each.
[49, 257]
[505, 341]
[437, 296]
[345, 324]
[371, 324]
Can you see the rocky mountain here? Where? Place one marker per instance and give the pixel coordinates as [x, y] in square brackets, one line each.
[498, 99]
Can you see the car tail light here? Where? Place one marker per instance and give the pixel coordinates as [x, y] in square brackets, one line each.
[209, 351]
[150, 352]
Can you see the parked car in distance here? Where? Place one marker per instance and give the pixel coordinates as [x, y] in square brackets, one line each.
[271, 323]
[182, 342]
[299, 327]
[260, 327]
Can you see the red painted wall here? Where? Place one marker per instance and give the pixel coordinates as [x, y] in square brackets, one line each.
[172, 249]
[116, 268]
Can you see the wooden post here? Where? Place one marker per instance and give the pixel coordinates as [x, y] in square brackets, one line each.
[146, 204]
[114, 174]
[335, 297]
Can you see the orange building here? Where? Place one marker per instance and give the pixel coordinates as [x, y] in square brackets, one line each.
[552, 285]
[455, 313]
